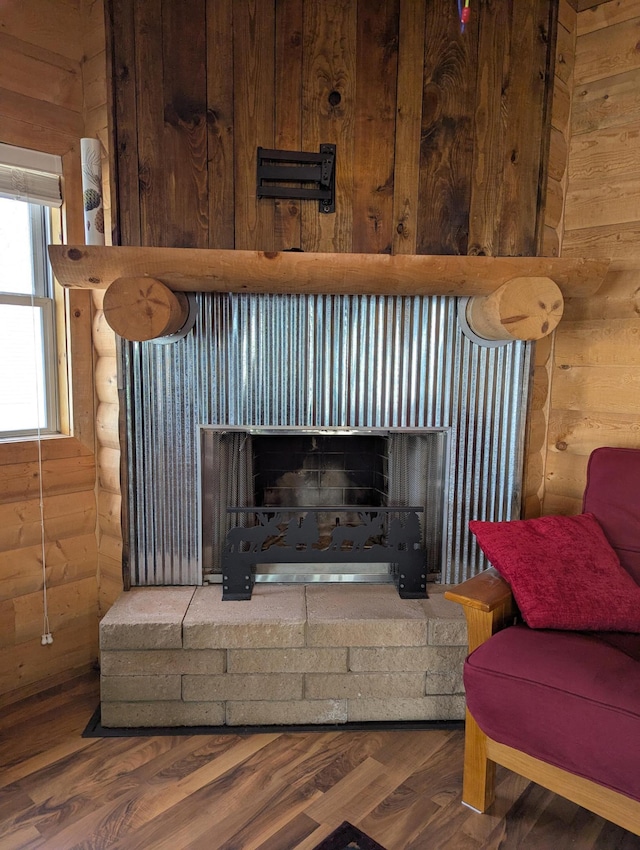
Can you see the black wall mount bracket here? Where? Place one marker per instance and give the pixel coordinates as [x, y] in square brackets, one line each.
[298, 167]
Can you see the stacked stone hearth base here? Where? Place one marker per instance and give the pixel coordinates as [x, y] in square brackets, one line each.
[315, 654]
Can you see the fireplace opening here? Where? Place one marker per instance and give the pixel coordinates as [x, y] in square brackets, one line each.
[330, 504]
[315, 470]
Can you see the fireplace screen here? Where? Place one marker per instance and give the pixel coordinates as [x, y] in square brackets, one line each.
[305, 505]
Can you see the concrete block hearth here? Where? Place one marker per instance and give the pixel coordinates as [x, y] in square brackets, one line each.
[293, 654]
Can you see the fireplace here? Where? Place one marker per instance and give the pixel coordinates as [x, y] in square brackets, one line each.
[325, 504]
[317, 363]
[440, 419]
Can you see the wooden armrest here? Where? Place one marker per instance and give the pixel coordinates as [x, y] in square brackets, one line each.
[488, 605]
[486, 591]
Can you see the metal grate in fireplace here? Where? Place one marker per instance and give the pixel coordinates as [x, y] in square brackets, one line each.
[255, 476]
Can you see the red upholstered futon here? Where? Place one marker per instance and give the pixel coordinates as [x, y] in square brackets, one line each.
[568, 699]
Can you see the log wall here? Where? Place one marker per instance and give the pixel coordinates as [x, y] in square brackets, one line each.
[97, 124]
[552, 225]
[595, 380]
[41, 106]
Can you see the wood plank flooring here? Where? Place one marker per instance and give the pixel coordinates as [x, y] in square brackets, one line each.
[268, 791]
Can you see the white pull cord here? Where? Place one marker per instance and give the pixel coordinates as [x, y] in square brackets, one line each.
[46, 638]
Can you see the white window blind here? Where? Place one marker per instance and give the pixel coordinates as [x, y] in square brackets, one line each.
[31, 176]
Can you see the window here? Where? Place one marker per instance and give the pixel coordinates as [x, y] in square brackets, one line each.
[28, 379]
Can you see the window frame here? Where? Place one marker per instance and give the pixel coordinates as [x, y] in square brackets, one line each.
[74, 321]
[42, 298]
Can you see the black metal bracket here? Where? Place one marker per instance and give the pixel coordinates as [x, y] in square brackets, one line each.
[276, 166]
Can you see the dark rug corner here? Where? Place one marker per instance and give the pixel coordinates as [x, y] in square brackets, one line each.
[348, 837]
[95, 729]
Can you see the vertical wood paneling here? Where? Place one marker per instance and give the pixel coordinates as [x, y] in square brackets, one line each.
[446, 152]
[489, 137]
[288, 115]
[220, 122]
[121, 30]
[295, 74]
[253, 74]
[408, 121]
[184, 141]
[525, 137]
[328, 114]
[151, 173]
[376, 78]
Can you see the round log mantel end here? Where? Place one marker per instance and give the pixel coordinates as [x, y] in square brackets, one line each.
[523, 308]
[142, 308]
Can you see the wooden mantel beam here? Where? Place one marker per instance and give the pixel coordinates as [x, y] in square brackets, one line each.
[217, 270]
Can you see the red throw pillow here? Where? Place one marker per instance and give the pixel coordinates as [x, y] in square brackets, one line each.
[563, 573]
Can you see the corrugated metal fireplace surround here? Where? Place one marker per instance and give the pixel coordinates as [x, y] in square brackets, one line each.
[319, 362]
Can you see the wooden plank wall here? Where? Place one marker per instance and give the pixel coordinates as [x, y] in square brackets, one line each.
[595, 379]
[41, 107]
[440, 135]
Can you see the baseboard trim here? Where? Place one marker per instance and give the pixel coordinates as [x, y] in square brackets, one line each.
[94, 728]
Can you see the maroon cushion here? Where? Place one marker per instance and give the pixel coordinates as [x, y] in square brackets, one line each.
[563, 572]
[624, 641]
[566, 698]
[613, 495]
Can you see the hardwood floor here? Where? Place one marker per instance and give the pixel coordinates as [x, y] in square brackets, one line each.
[280, 791]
